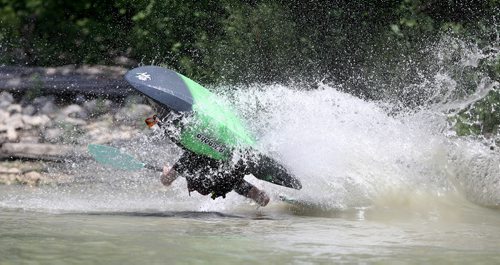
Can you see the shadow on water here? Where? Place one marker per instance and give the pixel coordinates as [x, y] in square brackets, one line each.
[164, 214]
[175, 214]
[308, 209]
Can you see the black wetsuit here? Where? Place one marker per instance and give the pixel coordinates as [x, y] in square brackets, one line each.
[210, 176]
[203, 174]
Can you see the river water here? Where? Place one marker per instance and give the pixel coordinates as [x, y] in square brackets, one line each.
[377, 188]
[380, 185]
[418, 230]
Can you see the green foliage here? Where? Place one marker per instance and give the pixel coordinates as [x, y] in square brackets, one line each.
[483, 117]
[386, 42]
[9, 35]
[231, 41]
[259, 43]
[174, 32]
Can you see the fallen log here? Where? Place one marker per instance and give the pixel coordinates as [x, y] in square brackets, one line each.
[37, 151]
[104, 81]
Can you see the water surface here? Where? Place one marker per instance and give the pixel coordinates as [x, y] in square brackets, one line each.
[460, 233]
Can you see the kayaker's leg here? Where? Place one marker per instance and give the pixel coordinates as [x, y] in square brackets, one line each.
[250, 191]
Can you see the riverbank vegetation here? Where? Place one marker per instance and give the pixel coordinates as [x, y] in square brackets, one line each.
[403, 50]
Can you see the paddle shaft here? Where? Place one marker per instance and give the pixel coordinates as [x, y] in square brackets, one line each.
[151, 167]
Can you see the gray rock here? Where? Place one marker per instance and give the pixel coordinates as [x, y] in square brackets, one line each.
[14, 121]
[79, 122]
[10, 126]
[4, 115]
[37, 150]
[134, 99]
[5, 99]
[134, 112]
[9, 175]
[98, 106]
[8, 179]
[41, 101]
[106, 136]
[31, 178]
[29, 110]
[45, 105]
[74, 111]
[61, 119]
[14, 108]
[12, 135]
[9, 170]
[72, 115]
[53, 135]
[38, 120]
[3, 138]
[29, 139]
[49, 109]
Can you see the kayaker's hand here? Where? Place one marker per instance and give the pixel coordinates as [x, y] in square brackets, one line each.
[168, 175]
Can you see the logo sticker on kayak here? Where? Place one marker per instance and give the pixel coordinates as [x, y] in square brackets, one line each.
[143, 76]
[216, 146]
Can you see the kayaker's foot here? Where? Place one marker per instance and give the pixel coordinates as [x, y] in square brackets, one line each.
[259, 196]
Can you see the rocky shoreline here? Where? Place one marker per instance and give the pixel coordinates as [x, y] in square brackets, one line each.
[45, 128]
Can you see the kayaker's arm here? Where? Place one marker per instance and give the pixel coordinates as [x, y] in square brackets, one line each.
[168, 175]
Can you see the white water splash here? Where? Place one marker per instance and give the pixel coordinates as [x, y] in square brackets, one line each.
[347, 152]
